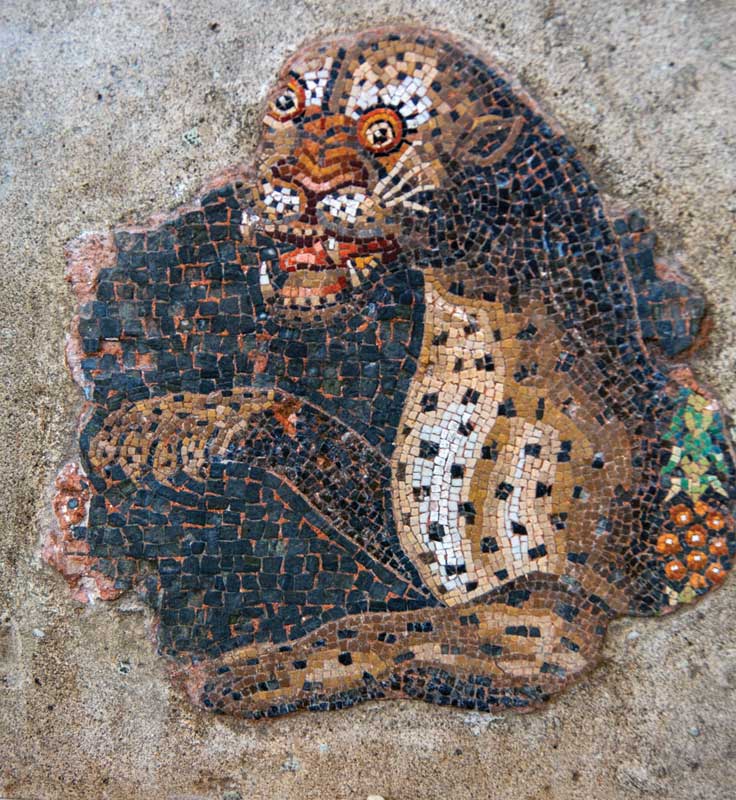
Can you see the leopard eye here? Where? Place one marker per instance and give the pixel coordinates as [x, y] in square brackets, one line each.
[380, 130]
[289, 104]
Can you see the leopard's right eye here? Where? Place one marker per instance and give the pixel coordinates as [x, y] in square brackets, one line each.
[380, 130]
[289, 104]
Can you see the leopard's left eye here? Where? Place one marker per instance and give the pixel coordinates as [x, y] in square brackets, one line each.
[380, 130]
[289, 104]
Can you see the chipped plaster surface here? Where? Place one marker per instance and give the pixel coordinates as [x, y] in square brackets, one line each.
[112, 111]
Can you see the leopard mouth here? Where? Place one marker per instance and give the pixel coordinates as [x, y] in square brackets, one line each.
[321, 266]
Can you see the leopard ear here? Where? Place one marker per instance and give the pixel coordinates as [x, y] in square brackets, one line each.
[490, 139]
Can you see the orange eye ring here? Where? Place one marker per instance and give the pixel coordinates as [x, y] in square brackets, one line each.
[380, 130]
[290, 103]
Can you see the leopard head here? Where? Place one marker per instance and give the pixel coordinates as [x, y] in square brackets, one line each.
[375, 147]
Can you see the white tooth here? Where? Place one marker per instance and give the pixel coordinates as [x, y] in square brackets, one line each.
[331, 244]
[354, 278]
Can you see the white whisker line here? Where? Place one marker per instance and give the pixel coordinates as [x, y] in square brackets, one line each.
[405, 178]
[397, 167]
[416, 206]
[400, 186]
[404, 197]
[410, 180]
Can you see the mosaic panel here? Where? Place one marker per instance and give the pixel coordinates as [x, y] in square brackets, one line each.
[397, 412]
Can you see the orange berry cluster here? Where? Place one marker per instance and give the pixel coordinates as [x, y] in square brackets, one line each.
[700, 567]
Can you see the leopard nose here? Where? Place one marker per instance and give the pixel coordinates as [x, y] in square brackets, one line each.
[325, 178]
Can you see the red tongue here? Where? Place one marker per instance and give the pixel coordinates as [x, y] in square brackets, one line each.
[314, 257]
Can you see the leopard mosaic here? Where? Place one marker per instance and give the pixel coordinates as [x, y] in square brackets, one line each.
[396, 412]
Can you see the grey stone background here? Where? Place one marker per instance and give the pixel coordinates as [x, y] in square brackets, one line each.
[112, 110]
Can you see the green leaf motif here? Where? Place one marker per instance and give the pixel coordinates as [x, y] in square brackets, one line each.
[696, 459]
